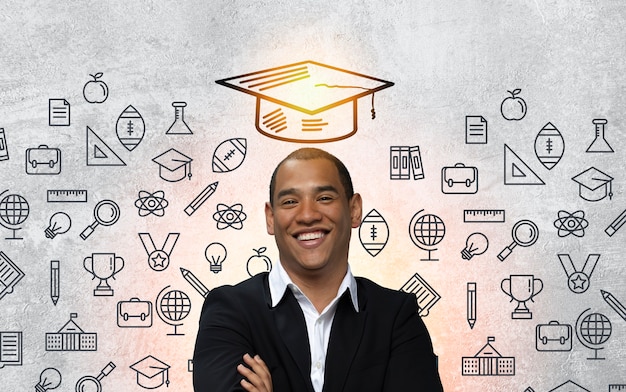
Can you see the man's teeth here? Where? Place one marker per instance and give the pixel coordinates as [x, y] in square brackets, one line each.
[310, 236]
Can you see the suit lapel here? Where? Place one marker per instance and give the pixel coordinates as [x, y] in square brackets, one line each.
[345, 337]
[292, 329]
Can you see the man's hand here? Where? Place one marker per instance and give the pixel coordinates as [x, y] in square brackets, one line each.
[257, 375]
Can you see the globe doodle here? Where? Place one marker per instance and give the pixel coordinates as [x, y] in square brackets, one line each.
[229, 216]
[594, 330]
[426, 231]
[14, 210]
[174, 306]
[151, 203]
[574, 223]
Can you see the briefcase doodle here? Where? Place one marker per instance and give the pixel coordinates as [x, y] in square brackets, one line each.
[459, 179]
[43, 160]
[554, 337]
[134, 313]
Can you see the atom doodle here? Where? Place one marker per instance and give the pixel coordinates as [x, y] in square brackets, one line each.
[151, 203]
[229, 216]
[574, 223]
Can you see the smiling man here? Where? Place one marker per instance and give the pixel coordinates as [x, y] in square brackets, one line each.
[310, 325]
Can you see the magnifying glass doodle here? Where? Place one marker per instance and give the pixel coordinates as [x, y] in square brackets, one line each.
[91, 383]
[105, 213]
[524, 233]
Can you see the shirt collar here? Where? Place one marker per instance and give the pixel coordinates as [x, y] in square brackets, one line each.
[279, 281]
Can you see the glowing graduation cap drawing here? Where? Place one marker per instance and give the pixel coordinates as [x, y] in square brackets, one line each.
[306, 102]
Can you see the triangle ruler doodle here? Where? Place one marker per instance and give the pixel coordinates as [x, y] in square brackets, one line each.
[517, 172]
[99, 153]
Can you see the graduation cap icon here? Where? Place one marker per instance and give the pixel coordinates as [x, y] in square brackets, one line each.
[307, 102]
[173, 165]
[151, 372]
[592, 184]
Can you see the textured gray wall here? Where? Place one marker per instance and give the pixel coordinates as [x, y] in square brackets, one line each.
[448, 59]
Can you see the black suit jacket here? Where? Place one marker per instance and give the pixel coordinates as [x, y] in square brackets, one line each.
[383, 347]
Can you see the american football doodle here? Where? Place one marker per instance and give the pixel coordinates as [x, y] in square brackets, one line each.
[130, 128]
[229, 155]
[549, 146]
[374, 233]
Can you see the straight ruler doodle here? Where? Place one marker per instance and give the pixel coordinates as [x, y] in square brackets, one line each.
[67, 195]
[483, 216]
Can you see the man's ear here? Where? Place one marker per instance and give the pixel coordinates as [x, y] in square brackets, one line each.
[356, 210]
[269, 218]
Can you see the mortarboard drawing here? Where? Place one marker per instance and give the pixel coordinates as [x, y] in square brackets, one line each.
[549, 146]
[179, 126]
[374, 233]
[173, 165]
[229, 216]
[569, 386]
[578, 281]
[488, 362]
[10, 275]
[71, 338]
[571, 223]
[151, 203]
[592, 184]
[307, 102]
[259, 262]
[130, 128]
[404, 160]
[426, 296]
[513, 108]
[151, 372]
[99, 153]
[14, 211]
[10, 348]
[229, 155]
[517, 172]
[599, 143]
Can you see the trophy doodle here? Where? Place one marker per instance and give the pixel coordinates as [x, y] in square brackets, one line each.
[103, 266]
[521, 288]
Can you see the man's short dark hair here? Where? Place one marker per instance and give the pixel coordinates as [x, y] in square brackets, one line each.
[316, 153]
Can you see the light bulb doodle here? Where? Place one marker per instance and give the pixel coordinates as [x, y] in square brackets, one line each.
[476, 244]
[215, 253]
[49, 379]
[59, 223]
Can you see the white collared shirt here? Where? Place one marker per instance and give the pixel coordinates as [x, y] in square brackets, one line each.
[318, 325]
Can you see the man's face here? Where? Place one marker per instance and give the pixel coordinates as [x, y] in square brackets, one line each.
[311, 217]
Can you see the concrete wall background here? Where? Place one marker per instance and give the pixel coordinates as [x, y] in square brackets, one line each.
[448, 59]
